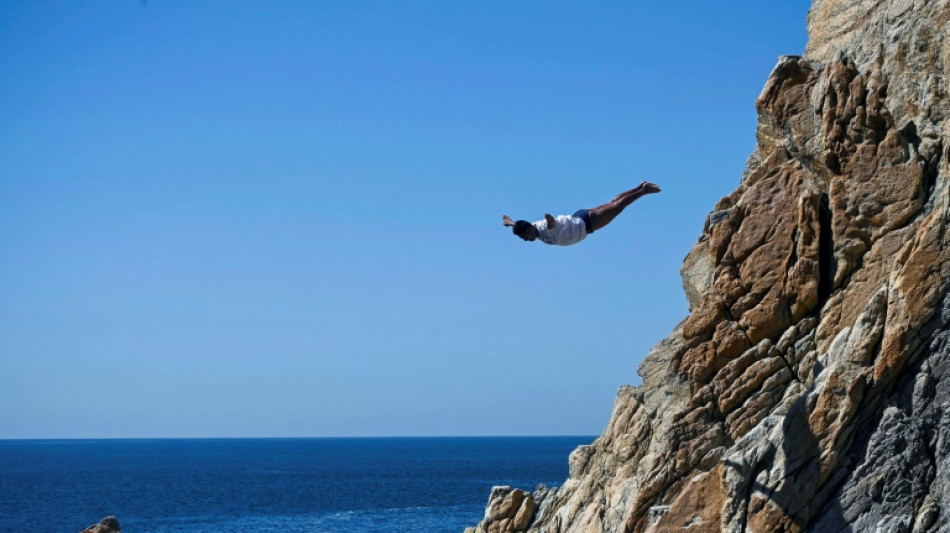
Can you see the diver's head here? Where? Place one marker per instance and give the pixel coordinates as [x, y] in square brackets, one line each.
[525, 230]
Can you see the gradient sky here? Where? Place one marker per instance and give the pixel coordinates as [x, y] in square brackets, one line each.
[251, 219]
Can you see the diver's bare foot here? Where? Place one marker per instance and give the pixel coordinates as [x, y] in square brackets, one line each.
[649, 188]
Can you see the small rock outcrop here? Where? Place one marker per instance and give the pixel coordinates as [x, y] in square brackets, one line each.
[809, 387]
[510, 509]
[108, 524]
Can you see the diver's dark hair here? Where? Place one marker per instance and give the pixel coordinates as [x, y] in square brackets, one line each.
[521, 228]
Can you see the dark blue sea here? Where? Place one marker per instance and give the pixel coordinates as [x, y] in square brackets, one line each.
[286, 485]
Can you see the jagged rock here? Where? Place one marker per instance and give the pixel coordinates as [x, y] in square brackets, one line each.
[108, 524]
[522, 518]
[509, 510]
[809, 387]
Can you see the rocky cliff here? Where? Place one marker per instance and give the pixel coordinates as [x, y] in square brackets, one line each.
[809, 387]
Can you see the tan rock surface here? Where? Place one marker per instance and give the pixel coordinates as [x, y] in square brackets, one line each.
[809, 387]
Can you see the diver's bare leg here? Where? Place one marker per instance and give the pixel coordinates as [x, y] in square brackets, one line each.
[604, 214]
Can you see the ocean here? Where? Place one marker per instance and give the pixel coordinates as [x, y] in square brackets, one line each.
[288, 485]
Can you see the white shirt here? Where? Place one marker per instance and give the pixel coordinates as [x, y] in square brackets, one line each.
[567, 230]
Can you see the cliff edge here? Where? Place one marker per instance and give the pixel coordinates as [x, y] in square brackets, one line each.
[809, 387]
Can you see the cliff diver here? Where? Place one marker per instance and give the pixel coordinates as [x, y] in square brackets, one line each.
[566, 230]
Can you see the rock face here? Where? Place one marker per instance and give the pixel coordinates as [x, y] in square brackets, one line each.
[510, 509]
[809, 387]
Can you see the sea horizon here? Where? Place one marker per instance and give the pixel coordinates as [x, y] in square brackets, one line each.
[567, 435]
[288, 484]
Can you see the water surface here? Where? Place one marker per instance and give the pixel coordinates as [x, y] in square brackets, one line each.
[287, 485]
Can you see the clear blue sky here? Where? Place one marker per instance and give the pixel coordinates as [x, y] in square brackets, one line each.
[242, 219]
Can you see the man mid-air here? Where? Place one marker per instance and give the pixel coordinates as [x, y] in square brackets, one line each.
[565, 230]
